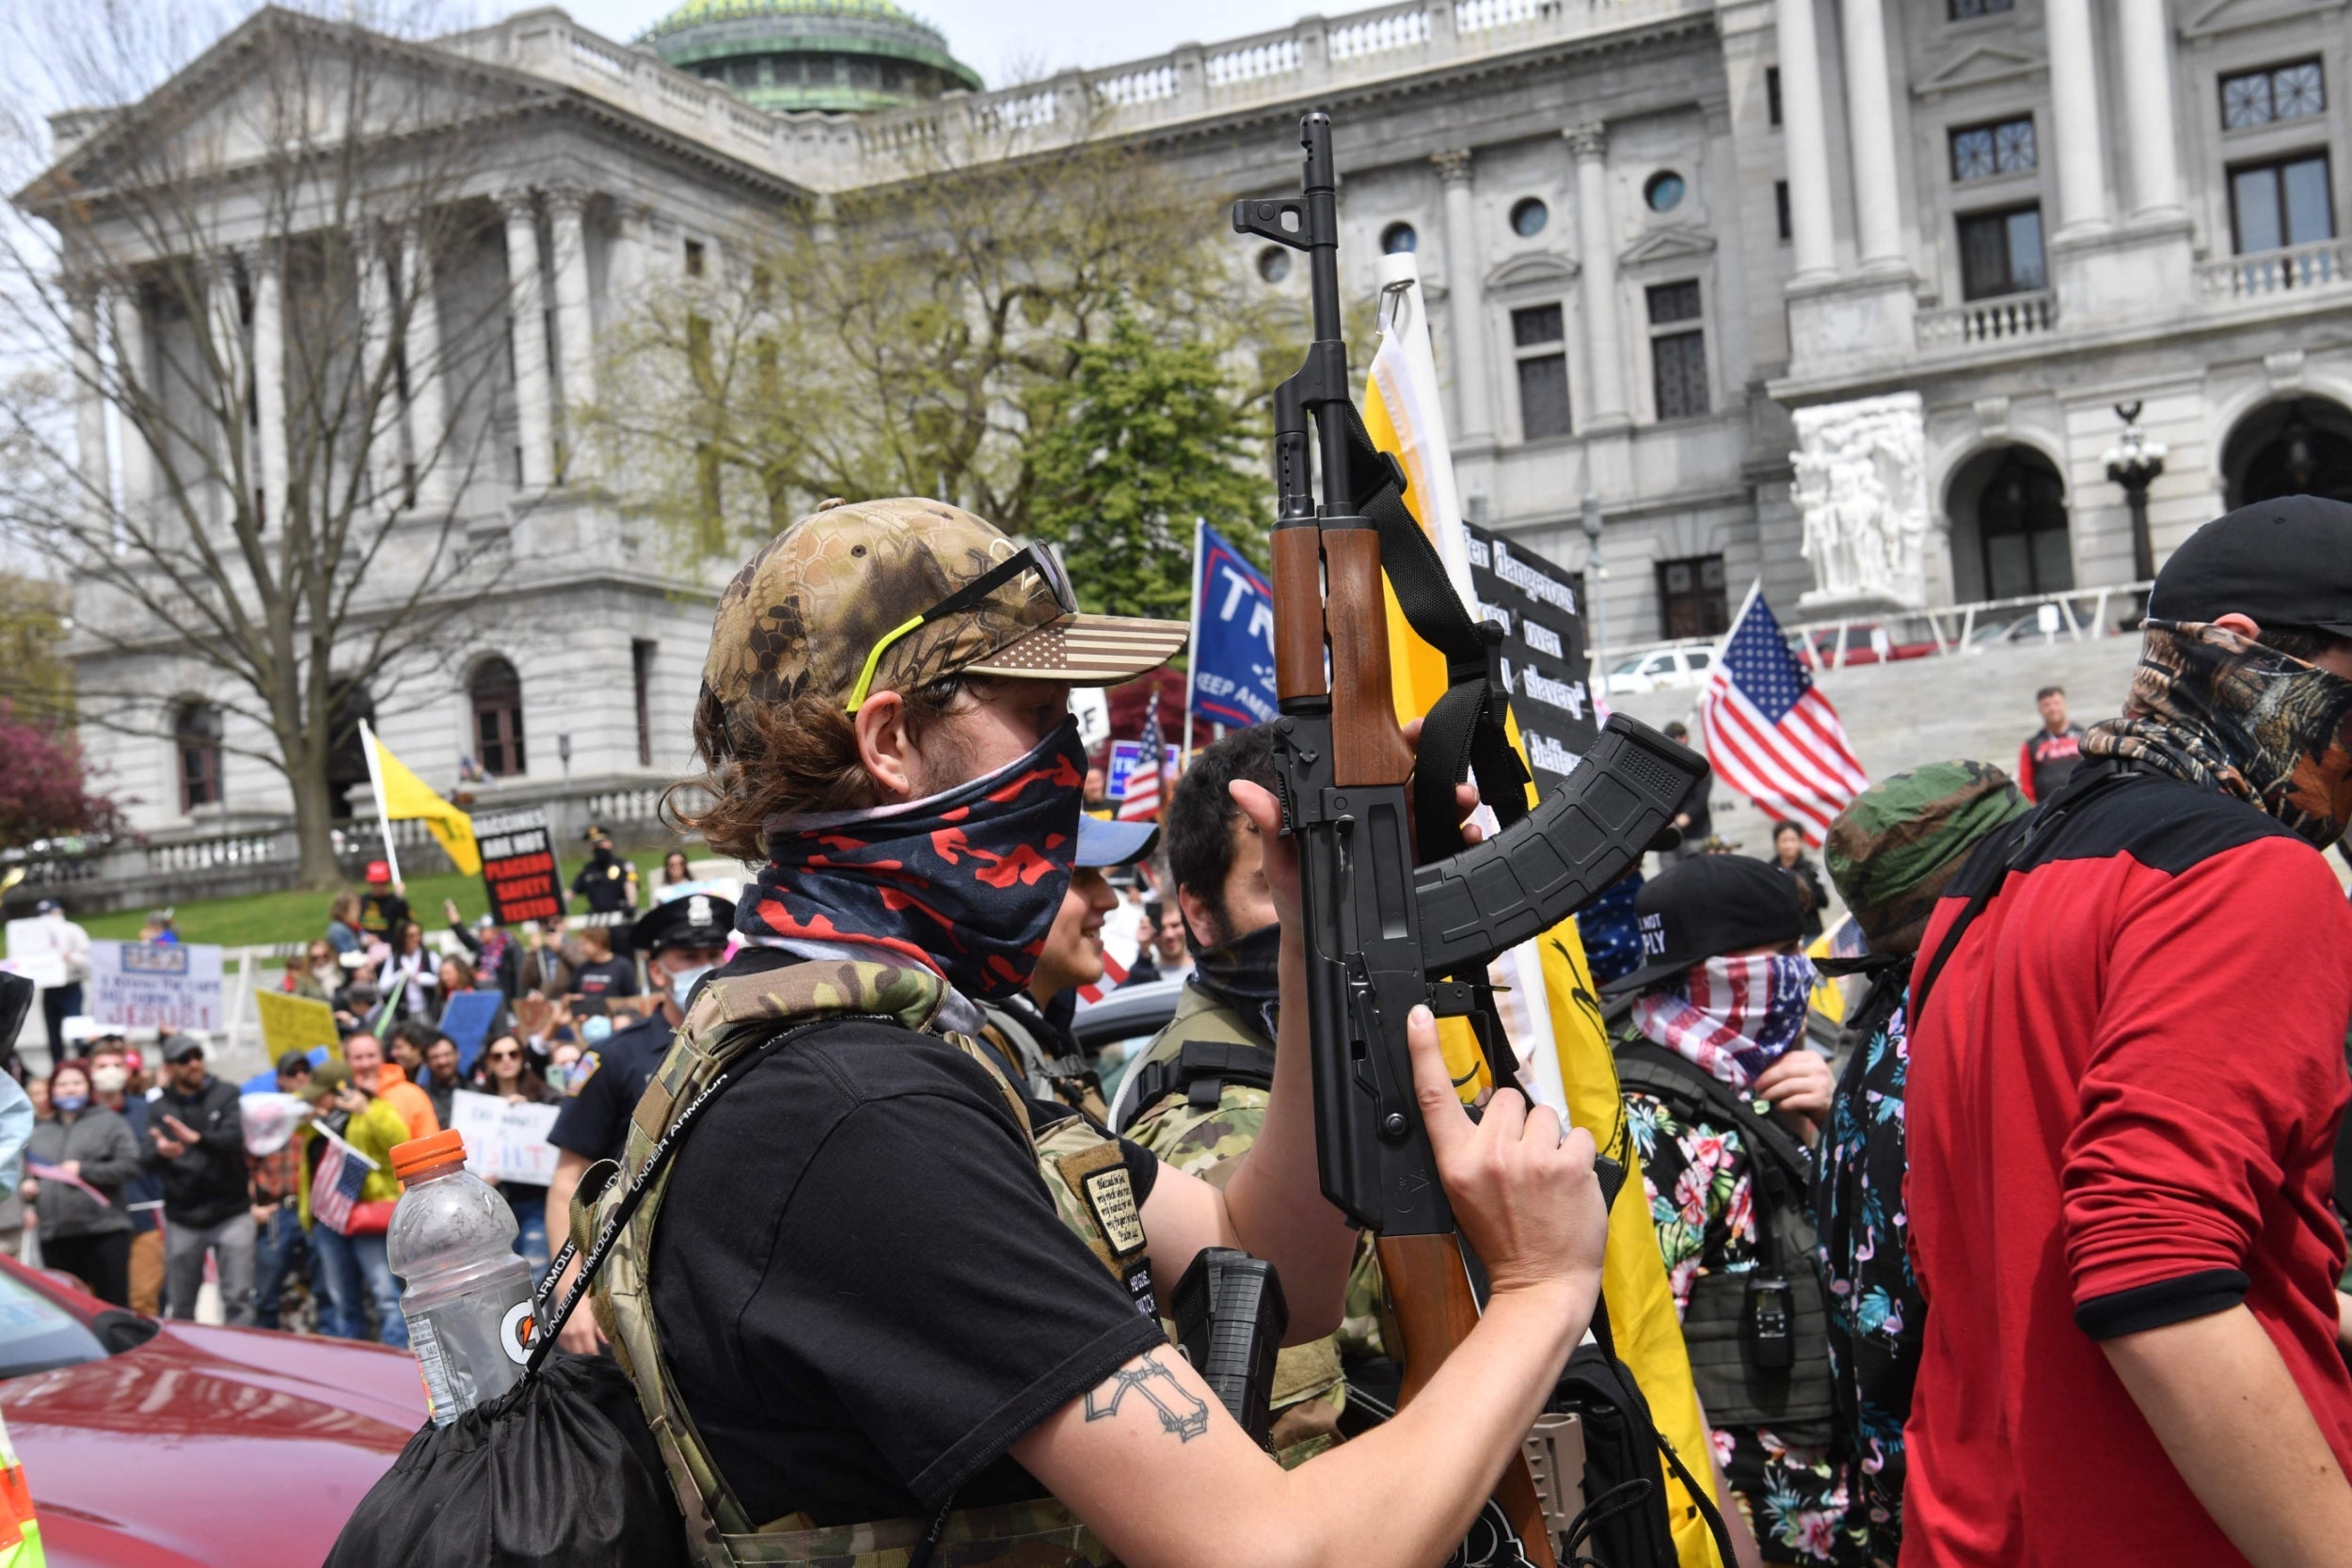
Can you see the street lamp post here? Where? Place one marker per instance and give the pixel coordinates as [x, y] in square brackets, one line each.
[1596, 596]
[2134, 462]
[564, 755]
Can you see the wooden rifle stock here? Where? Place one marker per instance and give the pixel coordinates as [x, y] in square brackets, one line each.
[1367, 748]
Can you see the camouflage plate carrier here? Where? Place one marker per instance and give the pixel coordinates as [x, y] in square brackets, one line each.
[1203, 1102]
[1068, 1080]
[1082, 1168]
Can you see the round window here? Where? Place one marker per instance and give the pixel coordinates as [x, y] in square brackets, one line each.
[1665, 191]
[1528, 217]
[1398, 237]
[1274, 264]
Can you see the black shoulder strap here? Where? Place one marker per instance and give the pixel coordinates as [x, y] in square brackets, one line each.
[2085, 786]
[1468, 729]
[1702, 1497]
[1784, 1166]
[1201, 1069]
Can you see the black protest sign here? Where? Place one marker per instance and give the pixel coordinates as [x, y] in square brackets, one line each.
[518, 867]
[1543, 651]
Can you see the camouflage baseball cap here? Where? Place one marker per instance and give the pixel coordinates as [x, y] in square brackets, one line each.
[804, 614]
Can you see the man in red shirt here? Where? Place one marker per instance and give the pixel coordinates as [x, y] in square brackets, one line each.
[2125, 1083]
[2049, 756]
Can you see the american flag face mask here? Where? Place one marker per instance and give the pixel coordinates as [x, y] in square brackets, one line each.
[1731, 1016]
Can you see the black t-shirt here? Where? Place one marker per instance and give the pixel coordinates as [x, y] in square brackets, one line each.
[607, 1084]
[864, 1292]
[606, 977]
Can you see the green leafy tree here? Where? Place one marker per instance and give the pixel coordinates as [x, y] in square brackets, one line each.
[1147, 435]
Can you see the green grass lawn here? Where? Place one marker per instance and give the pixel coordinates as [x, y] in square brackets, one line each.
[261, 918]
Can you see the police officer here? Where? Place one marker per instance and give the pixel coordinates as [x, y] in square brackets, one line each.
[682, 939]
[608, 883]
[1030, 1031]
[885, 1305]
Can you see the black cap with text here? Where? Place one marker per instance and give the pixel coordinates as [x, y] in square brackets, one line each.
[1707, 906]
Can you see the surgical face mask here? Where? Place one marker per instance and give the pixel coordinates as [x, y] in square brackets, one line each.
[682, 983]
[596, 1029]
[109, 1080]
[69, 1101]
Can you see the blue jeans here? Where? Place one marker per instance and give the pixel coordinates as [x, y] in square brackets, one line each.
[281, 1251]
[356, 1275]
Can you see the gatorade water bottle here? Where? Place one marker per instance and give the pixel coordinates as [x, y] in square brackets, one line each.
[466, 1294]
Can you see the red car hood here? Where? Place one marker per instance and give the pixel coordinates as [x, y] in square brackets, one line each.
[220, 1447]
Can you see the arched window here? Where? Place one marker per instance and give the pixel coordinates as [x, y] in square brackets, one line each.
[498, 716]
[2021, 521]
[196, 741]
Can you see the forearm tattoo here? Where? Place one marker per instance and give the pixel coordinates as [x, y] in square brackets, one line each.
[1182, 1415]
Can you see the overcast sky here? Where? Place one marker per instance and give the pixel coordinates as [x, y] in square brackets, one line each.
[1003, 39]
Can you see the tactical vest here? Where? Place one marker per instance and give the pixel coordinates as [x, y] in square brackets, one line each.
[1082, 1168]
[1063, 1079]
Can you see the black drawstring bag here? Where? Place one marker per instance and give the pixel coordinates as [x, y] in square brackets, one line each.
[558, 1470]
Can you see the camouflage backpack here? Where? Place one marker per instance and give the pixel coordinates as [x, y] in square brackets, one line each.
[1083, 1169]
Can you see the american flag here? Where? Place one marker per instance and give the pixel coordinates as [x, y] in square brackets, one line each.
[1141, 802]
[335, 1190]
[1769, 733]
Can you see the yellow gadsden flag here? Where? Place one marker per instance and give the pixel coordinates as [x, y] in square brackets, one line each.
[1549, 1008]
[402, 797]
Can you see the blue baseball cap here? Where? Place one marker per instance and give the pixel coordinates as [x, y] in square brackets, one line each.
[1104, 844]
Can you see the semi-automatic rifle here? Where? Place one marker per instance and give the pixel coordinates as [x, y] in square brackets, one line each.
[1382, 932]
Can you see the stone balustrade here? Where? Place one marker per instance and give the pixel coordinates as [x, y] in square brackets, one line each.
[1981, 322]
[2325, 265]
[828, 152]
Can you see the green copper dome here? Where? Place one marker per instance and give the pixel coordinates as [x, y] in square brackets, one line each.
[838, 56]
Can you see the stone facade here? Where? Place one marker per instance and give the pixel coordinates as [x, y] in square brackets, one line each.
[1654, 232]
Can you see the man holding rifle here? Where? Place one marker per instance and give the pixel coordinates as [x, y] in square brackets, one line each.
[890, 1297]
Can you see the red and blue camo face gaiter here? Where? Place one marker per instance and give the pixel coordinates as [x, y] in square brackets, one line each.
[967, 880]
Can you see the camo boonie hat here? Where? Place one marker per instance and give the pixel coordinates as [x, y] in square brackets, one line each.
[804, 614]
[1894, 850]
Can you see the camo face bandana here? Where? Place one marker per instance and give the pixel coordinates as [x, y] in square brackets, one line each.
[1732, 1018]
[2214, 709]
[966, 881]
[1242, 975]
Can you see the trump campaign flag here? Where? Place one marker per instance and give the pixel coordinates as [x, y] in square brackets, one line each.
[1232, 635]
[1554, 1027]
[1771, 734]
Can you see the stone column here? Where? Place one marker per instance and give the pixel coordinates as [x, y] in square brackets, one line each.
[624, 278]
[90, 405]
[527, 319]
[378, 393]
[138, 388]
[1598, 279]
[1466, 302]
[226, 332]
[575, 326]
[1870, 126]
[428, 411]
[269, 381]
[1805, 134]
[2082, 174]
[2144, 33]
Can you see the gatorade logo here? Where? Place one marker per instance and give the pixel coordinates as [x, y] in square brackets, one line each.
[517, 1331]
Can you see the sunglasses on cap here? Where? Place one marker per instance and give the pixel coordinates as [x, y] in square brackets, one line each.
[1028, 558]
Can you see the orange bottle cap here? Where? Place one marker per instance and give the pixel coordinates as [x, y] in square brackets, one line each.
[434, 1148]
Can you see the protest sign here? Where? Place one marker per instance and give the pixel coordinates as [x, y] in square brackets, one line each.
[1126, 757]
[467, 1019]
[1543, 650]
[1232, 636]
[296, 1023]
[518, 867]
[33, 953]
[143, 984]
[508, 1142]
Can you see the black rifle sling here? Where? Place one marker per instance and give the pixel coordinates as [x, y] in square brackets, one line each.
[1466, 729]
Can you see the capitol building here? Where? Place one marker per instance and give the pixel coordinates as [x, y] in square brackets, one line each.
[1685, 257]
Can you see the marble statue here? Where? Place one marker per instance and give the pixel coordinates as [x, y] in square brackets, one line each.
[1861, 488]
